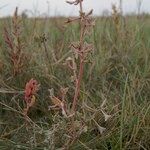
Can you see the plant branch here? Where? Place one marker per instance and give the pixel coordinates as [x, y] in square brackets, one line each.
[81, 65]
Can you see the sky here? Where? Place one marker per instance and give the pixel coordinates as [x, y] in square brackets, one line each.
[60, 7]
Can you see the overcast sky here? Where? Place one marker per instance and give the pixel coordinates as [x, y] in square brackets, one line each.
[59, 7]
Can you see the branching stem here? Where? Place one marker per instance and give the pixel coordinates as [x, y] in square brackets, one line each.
[81, 65]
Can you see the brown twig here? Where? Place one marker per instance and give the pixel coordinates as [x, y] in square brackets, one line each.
[81, 49]
[82, 54]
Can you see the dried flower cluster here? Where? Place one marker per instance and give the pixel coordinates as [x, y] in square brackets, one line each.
[17, 57]
[57, 103]
[116, 18]
[31, 89]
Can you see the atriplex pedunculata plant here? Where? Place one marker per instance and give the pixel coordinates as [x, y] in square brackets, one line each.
[81, 48]
[14, 40]
[76, 62]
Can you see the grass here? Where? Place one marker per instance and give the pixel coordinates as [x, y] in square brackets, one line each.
[117, 73]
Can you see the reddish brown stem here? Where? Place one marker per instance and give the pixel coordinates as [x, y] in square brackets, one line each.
[81, 66]
[78, 84]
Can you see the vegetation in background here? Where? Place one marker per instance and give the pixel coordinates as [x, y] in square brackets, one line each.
[113, 107]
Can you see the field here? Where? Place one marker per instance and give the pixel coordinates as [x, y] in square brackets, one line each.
[113, 109]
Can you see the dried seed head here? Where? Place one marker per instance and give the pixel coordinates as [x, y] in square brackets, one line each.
[30, 89]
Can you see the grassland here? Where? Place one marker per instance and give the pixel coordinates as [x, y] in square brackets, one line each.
[117, 72]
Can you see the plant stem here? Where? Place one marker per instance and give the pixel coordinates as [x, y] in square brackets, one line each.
[81, 65]
[78, 84]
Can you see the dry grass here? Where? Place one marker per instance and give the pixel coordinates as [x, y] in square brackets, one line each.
[111, 103]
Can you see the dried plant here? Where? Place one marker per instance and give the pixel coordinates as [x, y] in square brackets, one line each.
[31, 89]
[13, 39]
[57, 103]
[75, 63]
[116, 18]
[81, 49]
